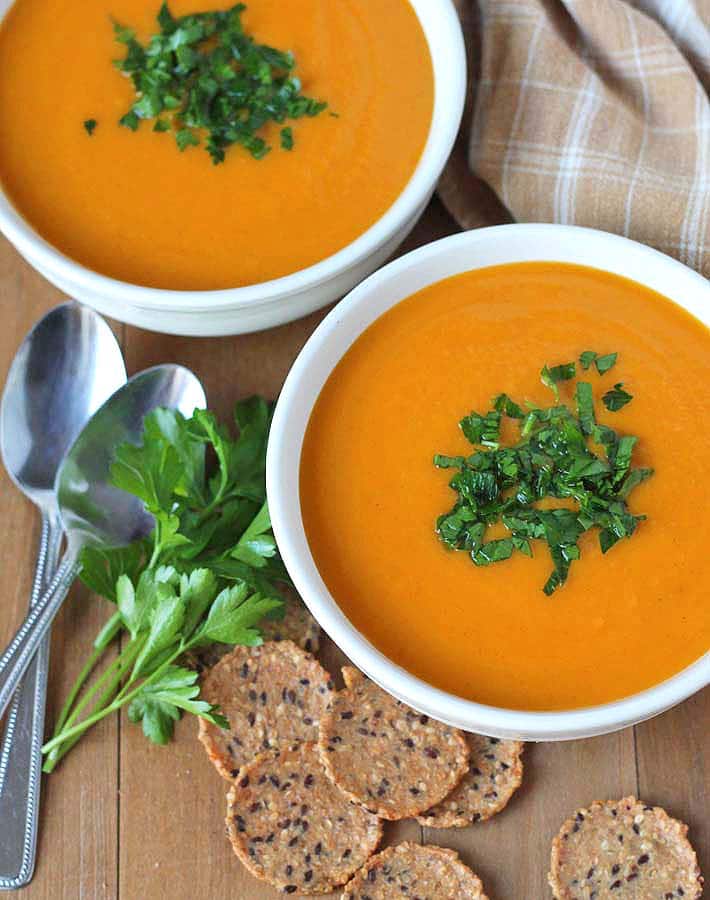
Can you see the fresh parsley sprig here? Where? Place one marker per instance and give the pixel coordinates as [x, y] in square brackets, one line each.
[210, 571]
[555, 457]
[203, 74]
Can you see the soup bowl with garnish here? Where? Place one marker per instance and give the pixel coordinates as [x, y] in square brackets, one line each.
[483, 473]
[202, 168]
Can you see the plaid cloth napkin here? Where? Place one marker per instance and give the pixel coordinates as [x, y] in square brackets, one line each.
[588, 112]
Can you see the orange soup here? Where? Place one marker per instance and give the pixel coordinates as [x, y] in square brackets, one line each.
[131, 206]
[370, 494]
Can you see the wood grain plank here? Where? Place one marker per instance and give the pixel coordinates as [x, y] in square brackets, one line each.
[673, 752]
[77, 839]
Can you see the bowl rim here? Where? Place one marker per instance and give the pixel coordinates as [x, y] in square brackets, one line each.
[284, 505]
[448, 56]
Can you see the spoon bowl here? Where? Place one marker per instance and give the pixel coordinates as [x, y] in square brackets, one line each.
[92, 510]
[66, 367]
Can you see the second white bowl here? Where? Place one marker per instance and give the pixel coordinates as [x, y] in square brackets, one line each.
[384, 289]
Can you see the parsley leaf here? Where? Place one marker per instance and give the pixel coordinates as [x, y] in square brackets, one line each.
[257, 544]
[185, 138]
[586, 359]
[493, 551]
[482, 429]
[585, 407]
[552, 376]
[101, 566]
[503, 404]
[617, 398]
[90, 126]
[157, 705]
[286, 135]
[165, 625]
[150, 472]
[197, 590]
[129, 120]
[234, 615]
[634, 478]
[604, 363]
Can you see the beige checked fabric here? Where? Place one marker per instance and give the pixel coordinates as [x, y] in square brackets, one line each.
[588, 112]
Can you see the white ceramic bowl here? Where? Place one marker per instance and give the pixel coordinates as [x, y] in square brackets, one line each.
[381, 291]
[251, 308]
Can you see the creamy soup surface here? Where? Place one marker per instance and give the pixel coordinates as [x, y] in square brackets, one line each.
[370, 494]
[131, 206]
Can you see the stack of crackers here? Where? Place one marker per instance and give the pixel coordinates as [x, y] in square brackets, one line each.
[314, 771]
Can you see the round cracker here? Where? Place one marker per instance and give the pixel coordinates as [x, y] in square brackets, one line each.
[297, 625]
[412, 870]
[495, 771]
[291, 826]
[394, 761]
[622, 849]
[272, 695]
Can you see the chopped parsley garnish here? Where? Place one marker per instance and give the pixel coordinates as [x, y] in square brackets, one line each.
[561, 454]
[90, 125]
[615, 399]
[551, 377]
[203, 75]
[287, 138]
[602, 363]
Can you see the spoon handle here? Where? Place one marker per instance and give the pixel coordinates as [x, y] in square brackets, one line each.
[18, 656]
[21, 756]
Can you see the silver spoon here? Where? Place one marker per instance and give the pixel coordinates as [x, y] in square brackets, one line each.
[92, 511]
[65, 368]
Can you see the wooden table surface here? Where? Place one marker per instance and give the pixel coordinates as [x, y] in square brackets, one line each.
[124, 818]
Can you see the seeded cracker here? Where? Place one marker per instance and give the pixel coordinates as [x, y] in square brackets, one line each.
[291, 826]
[410, 870]
[273, 696]
[624, 850]
[394, 761]
[297, 625]
[494, 774]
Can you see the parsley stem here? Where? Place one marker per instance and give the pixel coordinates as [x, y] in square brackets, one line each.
[80, 728]
[109, 631]
[58, 753]
[156, 555]
[103, 639]
[113, 673]
[217, 500]
[76, 688]
[119, 701]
